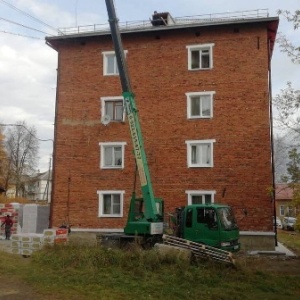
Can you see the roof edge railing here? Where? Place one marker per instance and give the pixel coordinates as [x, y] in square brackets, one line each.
[187, 20]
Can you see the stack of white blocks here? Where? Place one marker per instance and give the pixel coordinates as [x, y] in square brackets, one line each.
[26, 243]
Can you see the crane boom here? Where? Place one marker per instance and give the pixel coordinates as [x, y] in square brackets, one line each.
[145, 217]
[151, 212]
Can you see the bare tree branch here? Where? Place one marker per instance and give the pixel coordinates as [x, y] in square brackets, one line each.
[22, 149]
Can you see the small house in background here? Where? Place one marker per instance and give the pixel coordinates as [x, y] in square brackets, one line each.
[38, 187]
[11, 191]
[284, 197]
[35, 187]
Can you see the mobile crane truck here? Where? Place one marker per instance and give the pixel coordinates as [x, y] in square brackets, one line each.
[210, 224]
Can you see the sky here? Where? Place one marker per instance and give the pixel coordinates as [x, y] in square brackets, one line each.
[28, 65]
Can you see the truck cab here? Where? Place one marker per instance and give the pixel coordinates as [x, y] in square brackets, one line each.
[210, 224]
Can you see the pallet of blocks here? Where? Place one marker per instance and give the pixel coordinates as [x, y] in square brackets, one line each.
[27, 243]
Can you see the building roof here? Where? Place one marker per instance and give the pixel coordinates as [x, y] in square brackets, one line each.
[44, 176]
[283, 192]
[221, 19]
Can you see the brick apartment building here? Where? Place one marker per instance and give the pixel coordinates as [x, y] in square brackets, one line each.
[203, 95]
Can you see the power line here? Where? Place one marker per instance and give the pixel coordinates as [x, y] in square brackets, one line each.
[27, 14]
[27, 36]
[18, 24]
[20, 125]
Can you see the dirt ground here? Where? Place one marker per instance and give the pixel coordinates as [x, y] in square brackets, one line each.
[12, 289]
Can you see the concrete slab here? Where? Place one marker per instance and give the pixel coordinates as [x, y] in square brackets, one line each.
[285, 250]
[280, 250]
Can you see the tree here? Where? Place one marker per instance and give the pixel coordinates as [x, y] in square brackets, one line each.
[281, 148]
[293, 175]
[293, 167]
[22, 149]
[288, 107]
[284, 43]
[288, 101]
[3, 159]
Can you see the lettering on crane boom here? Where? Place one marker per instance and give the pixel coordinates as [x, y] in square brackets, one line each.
[135, 141]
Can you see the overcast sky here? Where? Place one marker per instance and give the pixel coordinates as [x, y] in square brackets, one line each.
[28, 65]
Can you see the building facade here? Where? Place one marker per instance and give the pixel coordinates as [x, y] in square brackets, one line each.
[203, 96]
[284, 201]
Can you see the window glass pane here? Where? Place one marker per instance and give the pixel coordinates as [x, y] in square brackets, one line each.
[189, 218]
[195, 106]
[227, 218]
[119, 111]
[197, 199]
[159, 207]
[194, 155]
[106, 204]
[109, 109]
[116, 66]
[110, 60]
[205, 154]
[108, 156]
[205, 59]
[118, 156]
[207, 199]
[200, 215]
[116, 205]
[205, 105]
[195, 59]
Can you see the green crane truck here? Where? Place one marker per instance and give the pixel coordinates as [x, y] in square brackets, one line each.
[211, 224]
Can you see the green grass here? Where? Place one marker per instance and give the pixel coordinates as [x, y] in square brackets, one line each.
[291, 239]
[90, 272]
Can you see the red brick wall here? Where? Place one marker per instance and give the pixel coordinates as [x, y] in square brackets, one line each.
[160, 78]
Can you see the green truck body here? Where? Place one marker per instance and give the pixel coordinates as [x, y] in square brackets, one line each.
[210, 224]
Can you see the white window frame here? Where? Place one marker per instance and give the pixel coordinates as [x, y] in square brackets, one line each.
[110, 99]
[202, 193]
[111, 144]
[196, 143]
[200, 48]
[101, 194]
[282, 210]
[189, 104]
[107, 54]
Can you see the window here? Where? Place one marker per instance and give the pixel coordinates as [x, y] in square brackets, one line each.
[112, 155]
[282, 210]
[110, 203]
[200, 57]
[200, 153]
[110, 66]
[189, 218]
[113, 107]
[207, 216]
[200, 105]
[200, 197]
[290, 211]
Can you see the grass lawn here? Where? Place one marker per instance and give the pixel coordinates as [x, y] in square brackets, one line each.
[90, 272]
[290, 239]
